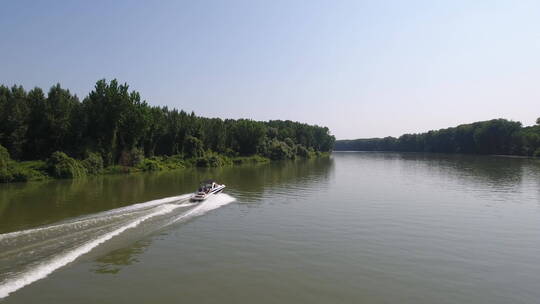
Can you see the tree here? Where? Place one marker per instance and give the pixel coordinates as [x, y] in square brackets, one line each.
[497, 136]
[36, 143]
[193, 147]
[248, 135]
[14, 114]
[5, 174]
[122, 128]
[58, 117]
[116, 119]
[278, 150]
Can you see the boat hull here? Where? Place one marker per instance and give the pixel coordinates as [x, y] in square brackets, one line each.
[201, 197]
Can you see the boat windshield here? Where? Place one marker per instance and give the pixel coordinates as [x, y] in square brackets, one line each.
[206, 186]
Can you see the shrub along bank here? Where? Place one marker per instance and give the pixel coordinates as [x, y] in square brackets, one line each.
[59, 165]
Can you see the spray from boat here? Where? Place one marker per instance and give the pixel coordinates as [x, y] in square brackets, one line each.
[30, 255]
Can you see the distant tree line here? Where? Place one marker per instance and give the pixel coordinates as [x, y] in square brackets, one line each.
[116, 125]
[497, 136]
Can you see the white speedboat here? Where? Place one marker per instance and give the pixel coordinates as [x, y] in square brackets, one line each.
[206, 189]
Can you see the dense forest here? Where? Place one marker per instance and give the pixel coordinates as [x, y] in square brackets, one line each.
[497, 136]
[113, 127]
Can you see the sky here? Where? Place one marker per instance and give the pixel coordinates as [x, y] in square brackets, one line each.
[362, 68]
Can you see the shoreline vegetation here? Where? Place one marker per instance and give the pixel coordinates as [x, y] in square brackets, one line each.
[112, 131]
[492, 137]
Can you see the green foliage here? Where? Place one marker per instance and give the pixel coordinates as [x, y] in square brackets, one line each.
[497, 136]
[304, 152]
[14, 113]
[131, 158]
[193, 147]
[11, 171]
[37, 165]
[5, 160]
[278, 150]
[4, 157]
[211, 159]
[151, 165]
[114, 122]
[230, 152]
[289, 142]
[137, 156]
[536, 153]
[115, 119]
[60, 165]
[173, 162]
[248, 135]
[123, 130]
[93, 163]
[157, 163]
[29, 171]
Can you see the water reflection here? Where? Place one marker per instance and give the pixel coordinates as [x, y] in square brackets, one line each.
[487, 170]
[24, 206]
[33, 204]
[505, 176]
[250, 183]
[246, 183]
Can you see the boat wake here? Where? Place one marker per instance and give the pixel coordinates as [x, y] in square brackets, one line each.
[30, 255]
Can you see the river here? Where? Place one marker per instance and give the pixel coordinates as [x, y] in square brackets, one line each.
[352, 228]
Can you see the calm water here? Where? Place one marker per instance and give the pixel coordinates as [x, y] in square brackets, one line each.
[355, 228]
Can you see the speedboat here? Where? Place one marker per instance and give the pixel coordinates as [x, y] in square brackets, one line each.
[206, 189]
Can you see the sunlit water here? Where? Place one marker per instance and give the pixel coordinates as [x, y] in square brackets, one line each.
[355, 228]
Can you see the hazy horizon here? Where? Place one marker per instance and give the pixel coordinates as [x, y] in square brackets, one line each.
[363, 69]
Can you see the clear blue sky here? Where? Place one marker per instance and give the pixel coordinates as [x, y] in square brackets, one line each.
[362, 68]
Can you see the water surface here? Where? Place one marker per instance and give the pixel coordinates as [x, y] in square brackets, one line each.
[355, 228]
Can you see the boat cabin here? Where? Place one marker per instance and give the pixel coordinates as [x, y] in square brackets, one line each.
[208, 185]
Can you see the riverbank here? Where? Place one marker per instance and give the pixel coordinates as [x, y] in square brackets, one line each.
[61, 166]
[492, 137]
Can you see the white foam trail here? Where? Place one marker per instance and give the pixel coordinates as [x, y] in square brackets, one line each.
[156, 208]
[46, 268]
[148, 204]
[213, 202]
[130, 208]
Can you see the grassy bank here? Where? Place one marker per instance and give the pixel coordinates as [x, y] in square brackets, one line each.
[61, 166]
